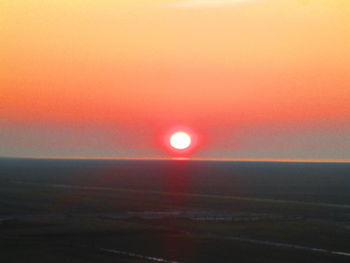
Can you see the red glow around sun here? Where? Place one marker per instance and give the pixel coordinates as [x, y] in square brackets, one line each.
[180, 141]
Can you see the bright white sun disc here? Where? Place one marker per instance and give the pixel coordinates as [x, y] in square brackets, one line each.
[180, 140]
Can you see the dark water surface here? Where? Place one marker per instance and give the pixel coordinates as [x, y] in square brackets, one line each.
[313, 182]
[60, 210]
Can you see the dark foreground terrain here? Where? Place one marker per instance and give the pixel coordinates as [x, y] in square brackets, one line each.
[173, 211]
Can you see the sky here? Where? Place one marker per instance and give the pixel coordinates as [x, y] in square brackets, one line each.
[256, 79]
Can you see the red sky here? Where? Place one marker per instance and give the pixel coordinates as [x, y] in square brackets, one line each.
[260, 79]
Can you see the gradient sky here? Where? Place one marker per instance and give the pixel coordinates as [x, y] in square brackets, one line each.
[103, 78]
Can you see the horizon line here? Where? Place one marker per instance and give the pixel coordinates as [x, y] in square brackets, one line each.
[281, 160]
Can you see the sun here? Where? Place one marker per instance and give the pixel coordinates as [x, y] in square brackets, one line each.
[180, 140]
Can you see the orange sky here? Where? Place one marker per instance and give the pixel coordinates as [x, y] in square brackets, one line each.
[157, 63]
